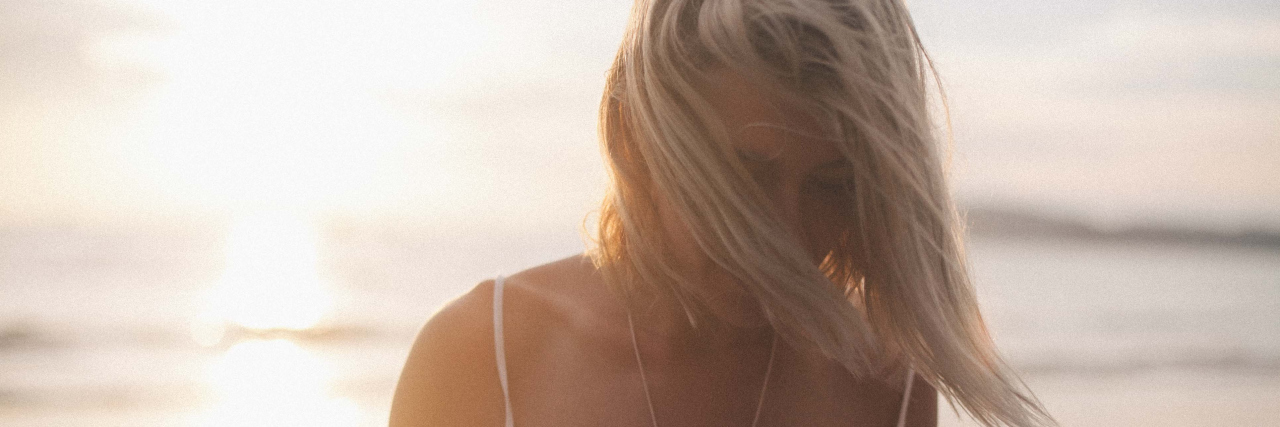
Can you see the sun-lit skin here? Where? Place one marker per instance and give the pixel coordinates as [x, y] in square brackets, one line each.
[569, 353]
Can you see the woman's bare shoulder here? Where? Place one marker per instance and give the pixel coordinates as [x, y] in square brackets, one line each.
[450, 375]
[559, 288]
[560, 302]
[922, 404]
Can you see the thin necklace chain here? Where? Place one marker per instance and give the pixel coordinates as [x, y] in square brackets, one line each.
[773, 348]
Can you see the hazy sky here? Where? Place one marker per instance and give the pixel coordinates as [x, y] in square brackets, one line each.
[452, 111]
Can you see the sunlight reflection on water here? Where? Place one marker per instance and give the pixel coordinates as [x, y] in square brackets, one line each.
[271, 281]
[273, 383]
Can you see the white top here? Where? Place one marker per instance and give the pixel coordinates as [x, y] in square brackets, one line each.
[501, 356]
[498, 349]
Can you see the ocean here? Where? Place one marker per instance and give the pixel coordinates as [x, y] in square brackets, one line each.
[103, 328]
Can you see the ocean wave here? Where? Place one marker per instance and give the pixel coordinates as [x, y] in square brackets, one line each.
[34, 336]
[1200, 362]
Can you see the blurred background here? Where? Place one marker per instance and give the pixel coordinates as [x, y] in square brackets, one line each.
[239, 213]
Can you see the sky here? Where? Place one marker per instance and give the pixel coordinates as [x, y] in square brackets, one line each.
[469, 113]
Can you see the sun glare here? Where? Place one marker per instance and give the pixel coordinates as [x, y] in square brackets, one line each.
[271, 280]
[274, 383]
[286, 103]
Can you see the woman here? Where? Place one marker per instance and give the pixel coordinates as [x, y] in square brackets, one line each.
[778, 247]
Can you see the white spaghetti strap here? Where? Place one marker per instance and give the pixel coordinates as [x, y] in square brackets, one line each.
[499, 350]
[906, 397]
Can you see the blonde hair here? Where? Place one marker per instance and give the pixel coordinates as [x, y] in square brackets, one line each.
[895, 290]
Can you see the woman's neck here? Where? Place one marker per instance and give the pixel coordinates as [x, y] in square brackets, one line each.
[733, 319]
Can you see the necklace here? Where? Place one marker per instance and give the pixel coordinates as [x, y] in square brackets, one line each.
[773, 348]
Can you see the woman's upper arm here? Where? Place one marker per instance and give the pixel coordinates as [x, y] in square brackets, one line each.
[450, 376]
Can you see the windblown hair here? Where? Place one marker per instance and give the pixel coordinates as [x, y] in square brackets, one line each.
[895, 290]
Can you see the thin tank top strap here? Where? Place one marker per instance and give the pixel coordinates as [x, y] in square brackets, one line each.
[906, 397]
[499, 348]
